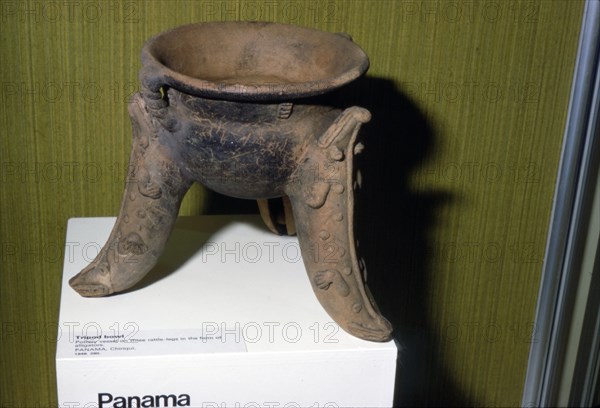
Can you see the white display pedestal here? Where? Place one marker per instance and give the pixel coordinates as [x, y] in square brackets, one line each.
[226, 319]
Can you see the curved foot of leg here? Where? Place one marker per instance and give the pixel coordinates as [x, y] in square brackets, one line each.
[153, 194]
[323, 212]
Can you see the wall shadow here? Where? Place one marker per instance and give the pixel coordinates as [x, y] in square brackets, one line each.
[219, 204]
[180, 248]
[394, 224]
[188, 237]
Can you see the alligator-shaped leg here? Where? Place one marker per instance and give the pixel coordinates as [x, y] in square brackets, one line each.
[154, 190]
[323, 204]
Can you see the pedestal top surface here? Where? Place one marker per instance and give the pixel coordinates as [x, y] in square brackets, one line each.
[226, 273]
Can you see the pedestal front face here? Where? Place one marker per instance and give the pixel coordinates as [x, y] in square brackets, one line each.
[227, 318]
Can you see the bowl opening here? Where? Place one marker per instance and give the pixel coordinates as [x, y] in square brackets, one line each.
[260, 56]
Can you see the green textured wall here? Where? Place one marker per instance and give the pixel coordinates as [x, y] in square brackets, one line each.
[469, 101]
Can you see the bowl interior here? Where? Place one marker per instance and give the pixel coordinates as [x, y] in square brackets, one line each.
[258, 54]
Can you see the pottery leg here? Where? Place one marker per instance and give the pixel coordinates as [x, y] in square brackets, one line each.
[153, 194]
[322, 199]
